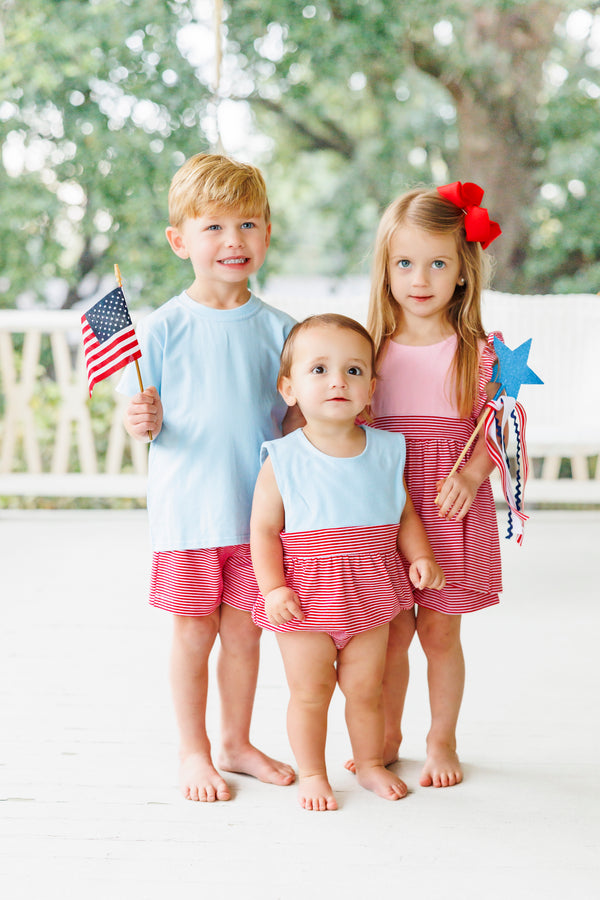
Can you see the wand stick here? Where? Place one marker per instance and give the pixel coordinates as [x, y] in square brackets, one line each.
[476, 431]
[137, 368]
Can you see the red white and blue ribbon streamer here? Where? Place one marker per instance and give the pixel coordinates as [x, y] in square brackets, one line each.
[509, 418]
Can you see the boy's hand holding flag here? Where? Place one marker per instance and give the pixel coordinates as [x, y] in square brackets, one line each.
[109, 340]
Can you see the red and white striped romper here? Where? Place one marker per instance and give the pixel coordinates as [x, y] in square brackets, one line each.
[340, 539]
[414, 395]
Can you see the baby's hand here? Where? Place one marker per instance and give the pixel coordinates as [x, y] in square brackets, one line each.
[455, 495]
[425, 573]
[281, 605]
[144, 414]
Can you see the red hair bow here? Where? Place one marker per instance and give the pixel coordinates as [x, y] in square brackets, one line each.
[478, 225]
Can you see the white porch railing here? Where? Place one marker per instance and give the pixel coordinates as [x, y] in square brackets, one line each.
[71, 468]
[61, 458]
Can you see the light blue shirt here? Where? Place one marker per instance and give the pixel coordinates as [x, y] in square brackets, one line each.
[216, 373]
[321, 491]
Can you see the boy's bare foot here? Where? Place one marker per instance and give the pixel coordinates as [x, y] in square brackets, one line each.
[199, 780]
[382, 782]
[315, 794]
[442, 767]
[250, 760]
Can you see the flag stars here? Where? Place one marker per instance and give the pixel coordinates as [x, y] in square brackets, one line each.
[109, 316]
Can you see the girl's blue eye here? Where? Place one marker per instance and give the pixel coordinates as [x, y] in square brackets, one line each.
[354, 370]
[403, 263]
[438, 264]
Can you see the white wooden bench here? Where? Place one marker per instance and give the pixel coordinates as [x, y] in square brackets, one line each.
[563, 414]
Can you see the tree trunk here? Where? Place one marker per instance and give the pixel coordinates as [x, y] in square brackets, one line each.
[493, 156]
[496, 97]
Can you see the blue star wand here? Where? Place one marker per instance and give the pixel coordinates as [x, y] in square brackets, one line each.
[509, 373]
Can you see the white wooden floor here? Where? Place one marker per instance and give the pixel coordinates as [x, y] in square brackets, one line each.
[90, 807]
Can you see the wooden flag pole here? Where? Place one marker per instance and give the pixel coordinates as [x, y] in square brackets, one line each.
[137, 368]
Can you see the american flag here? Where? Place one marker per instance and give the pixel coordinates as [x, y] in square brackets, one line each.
[109, 340]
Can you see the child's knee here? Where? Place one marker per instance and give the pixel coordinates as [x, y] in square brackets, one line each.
[402, 631]
[313, 694]
[439, 635]
[196, 633]
[364, 695]
[237, 631]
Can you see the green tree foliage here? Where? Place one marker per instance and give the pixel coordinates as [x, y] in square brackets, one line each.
[101, 100]
[99, 109]
[382, 95]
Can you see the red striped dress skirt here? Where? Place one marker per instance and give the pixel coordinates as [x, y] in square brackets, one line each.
[348, 579]
[468, 551]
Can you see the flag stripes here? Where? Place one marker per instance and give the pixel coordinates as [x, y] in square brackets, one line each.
[109, 340]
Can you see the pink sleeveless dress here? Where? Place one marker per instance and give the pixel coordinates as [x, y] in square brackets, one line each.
[414, 396]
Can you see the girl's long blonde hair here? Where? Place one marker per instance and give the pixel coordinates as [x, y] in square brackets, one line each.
[428, 210]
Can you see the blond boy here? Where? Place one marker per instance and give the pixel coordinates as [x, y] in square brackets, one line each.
[211, 355]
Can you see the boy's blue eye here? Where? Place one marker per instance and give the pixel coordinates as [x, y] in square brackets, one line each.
[214, 227]
[248, 225]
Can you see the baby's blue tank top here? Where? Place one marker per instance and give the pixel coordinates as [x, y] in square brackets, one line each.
[321, 491]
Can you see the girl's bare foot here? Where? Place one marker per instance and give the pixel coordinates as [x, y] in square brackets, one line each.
[250, 760]
[199, 780]
[442, 767]
[314, 793]
[382, 782]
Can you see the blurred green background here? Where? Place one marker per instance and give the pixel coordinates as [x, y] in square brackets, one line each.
[343, 105]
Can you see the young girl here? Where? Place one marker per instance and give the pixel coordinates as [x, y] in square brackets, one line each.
[435, 362]
[324, 537]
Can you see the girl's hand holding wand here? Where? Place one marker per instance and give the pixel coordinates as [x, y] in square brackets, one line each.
[457, 491]
[456, 494]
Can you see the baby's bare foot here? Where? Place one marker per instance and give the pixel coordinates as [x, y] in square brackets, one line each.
[442, 767]
[382, 782]
[199, 780]
[315, 794]
[251, 761]
[390, 756]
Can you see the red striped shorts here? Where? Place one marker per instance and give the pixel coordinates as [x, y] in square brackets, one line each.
[196, 582]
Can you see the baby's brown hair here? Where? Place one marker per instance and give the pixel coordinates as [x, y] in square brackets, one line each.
[333, 320]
